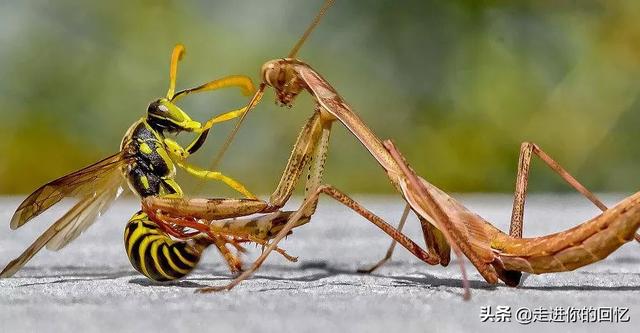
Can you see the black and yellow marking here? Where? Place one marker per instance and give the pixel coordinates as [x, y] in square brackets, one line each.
[150, 250]
[152, 170]
[147, 159]
[156, 255]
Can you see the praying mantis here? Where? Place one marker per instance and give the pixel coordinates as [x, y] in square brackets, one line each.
[446, 224]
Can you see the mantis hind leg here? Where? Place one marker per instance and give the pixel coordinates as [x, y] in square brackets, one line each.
[527, 150]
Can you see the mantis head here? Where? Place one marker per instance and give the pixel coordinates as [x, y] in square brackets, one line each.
[281, 75]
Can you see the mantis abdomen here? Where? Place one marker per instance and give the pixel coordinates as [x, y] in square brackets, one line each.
[584, 244]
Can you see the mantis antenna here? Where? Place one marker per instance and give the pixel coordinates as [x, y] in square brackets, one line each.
[258, 95]
[254, 100]
[294, 51]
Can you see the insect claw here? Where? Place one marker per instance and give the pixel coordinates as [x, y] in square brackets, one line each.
[236, 272]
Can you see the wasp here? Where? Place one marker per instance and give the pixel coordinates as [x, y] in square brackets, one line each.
[147, 161]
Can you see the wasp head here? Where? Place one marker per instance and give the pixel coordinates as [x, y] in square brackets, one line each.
[167, 116]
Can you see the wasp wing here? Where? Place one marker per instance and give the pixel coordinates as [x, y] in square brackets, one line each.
[106, 188]
[84, 218]
[83, 181]
[96, 186]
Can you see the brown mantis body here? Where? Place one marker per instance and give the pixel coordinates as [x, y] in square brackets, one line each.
[445, 222]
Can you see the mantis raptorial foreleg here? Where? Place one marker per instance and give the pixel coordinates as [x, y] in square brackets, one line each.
[312, 193]
[312, 201]
[301, 155]
[214, 209]
[222, 232]
[311, 145]
[310, 149]
[234, 263]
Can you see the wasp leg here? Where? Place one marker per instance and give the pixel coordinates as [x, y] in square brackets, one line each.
[203, 131]
[216, 175]
[179, 154]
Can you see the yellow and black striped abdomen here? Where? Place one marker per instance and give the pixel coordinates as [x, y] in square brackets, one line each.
[156, 255]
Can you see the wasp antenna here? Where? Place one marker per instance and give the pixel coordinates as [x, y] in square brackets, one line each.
[327, 4]
[243, 82]
[176, 55]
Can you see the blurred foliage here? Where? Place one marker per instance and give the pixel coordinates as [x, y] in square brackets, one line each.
[457, 84]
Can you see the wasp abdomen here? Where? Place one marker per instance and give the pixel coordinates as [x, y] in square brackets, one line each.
[156, 255]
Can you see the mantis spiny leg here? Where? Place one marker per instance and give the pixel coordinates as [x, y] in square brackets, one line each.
[311, 201]
[392, 246]
[433, 238]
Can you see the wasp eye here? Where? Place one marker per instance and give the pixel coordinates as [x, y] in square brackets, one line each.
[153, 107]
[157, 108]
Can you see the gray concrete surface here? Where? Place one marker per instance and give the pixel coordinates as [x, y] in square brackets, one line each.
[89, 286]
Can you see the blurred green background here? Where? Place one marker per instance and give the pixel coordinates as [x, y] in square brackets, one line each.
[457, 84]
